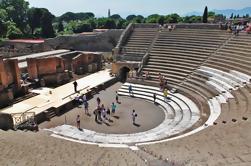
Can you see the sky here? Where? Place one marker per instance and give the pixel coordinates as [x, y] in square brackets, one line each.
[142, 7]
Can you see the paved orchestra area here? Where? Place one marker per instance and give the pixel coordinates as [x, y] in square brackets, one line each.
[149, 115]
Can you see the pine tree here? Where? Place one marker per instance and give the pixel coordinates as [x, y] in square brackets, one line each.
[232, 15]
[205, 15]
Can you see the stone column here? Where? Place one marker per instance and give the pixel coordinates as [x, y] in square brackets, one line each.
[32, 68]
[3, 75]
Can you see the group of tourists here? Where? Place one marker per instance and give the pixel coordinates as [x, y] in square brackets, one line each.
[236, 28]
[102, 114]
[170, 27]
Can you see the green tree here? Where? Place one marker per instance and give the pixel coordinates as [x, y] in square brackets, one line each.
[92, 22]
[3, 25]
[110, 24]
[70, 16]
[84, 16]
[46, 24]
[232, 15]
[161, 20]
[13, 31]
[106, 23]
[205, 15]
[211, 14]
[82, 27]
[192, 19]
[154, 18]
[60, 26]
[17, 12]
[173, 18]
[115, 16]
[121, 24]
[34, 16]
[130, 17]
[138, 19]
[67, 17]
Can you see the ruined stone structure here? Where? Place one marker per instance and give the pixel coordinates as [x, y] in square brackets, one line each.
[10, 84]
[98, 40]
[90, 62]
[57, 69]
[49, 69]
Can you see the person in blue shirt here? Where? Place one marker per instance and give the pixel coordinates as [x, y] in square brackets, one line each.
[113, 108]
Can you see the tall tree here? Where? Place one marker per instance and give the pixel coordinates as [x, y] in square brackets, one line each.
[3, 25]
[153, 18]
[34, 16]
[232, 15]
[205, 15]
[17, 12]
[46, 24]
[130, 17]
[115, 16]
[60, 26]
[161, 20]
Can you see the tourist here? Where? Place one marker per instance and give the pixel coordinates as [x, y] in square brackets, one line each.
[78, 121]
[78, 101]
[117, 97]
[160, 77]
[147, 75]
[98, 101]
[99, 114]
[75, 86]
[165, 93]
[96, 113]
[165, 83]
[130, 90]
[103, 114]
[154, 98]
[84, 98]
[134, 115]
[108, 112]
[113, 108]
[86, 105]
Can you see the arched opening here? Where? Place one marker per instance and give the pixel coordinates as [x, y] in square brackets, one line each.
[123, 73]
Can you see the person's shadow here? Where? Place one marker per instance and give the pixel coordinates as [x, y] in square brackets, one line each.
[80, 129]
[116, 117]
[136, 124]
[98, 122]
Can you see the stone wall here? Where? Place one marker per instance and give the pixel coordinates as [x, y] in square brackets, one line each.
[10, 81]
[9, 73]
[44, 66]
[49, 70]
[102, 42]
[83, 60]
